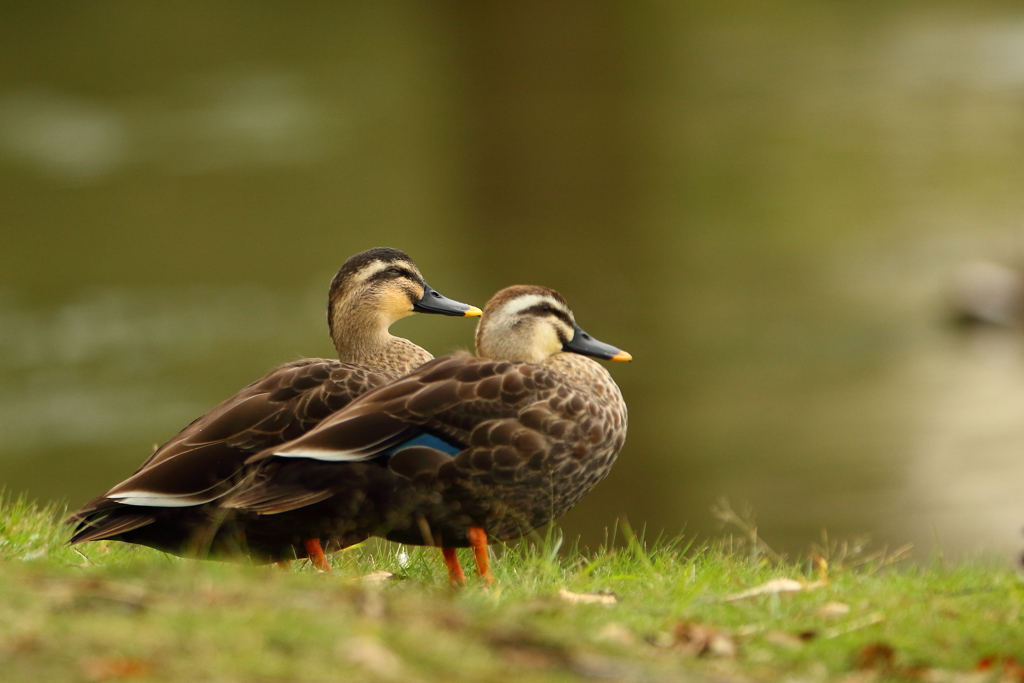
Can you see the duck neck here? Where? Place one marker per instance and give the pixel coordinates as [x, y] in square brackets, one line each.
[359, 333]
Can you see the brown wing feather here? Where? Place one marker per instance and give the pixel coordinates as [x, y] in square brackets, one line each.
[274, 499]
[449, 396]
[479, 392]
[285, 403]
[110, 526]
[535, 437]
[212, 449]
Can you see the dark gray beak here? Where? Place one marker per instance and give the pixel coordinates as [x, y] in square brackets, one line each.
[433, 301]
[585, 345]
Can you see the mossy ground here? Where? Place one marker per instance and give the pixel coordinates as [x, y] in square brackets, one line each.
[116, 612]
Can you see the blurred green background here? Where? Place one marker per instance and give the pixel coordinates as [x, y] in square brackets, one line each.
[765, 205]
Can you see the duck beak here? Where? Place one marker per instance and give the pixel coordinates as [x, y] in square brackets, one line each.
[433, 301]
[585, 345]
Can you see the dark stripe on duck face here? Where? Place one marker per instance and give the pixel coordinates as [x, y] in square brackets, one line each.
[394, 272]
[363, 259]
[377, 259]
[402, 277]
[548, 309]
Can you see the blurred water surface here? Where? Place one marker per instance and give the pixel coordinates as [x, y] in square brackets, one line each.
[765, 207]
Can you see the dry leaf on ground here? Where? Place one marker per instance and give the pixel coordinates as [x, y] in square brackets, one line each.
[786, 641]
[376, 577]
[878, 656]
[700, 639]
[614, 632]
[833, 610]
[1008, 667]
[587, 598]
[114, 668]
[774, 587]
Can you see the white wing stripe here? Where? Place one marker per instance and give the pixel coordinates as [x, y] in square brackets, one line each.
[159, 500]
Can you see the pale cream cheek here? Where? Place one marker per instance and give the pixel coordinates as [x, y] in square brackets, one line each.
[395, 304]
[547, 343]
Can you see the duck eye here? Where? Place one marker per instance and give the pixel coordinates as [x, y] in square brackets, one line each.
[393, 271]
[546, 308]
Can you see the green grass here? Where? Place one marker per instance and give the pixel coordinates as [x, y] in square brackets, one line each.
[117, 612]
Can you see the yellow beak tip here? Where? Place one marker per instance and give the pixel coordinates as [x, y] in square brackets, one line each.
[622, 355]
[473, 312]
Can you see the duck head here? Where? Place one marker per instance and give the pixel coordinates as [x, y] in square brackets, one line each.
[530, 323]
[377, 287]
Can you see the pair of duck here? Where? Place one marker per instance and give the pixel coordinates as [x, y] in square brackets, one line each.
[386, 441]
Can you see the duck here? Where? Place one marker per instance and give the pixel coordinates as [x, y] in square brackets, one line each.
[462, 452]
[170, 502]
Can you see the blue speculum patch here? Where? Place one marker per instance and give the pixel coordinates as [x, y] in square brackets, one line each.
[428, 440]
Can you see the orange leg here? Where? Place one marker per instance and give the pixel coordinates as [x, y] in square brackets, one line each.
[478, 541]
[455, 573]
[316, 554]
